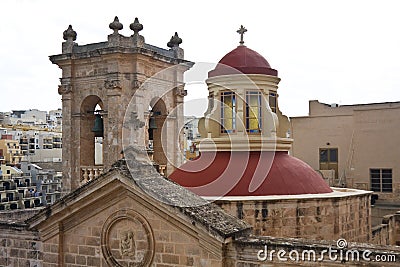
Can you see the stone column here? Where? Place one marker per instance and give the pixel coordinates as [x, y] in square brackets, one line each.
[112, 141]
[65, 91]
[178, 123]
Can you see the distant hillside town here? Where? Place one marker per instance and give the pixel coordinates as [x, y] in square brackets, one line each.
[30, 158]
[33, 117]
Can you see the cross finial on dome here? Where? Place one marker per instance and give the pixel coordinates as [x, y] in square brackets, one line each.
[241, 31]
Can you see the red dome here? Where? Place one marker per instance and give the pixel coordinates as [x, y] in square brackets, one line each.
[243, 60]
[249, 174]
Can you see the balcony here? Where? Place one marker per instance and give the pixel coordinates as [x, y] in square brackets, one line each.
[48, 141]
[89, 173]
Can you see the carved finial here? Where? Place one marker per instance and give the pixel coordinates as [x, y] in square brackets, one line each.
[69, 34]
[136, 26]
[241, 31]
[116, 25]
[175, 41]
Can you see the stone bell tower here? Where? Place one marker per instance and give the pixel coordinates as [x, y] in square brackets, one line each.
[99, 81]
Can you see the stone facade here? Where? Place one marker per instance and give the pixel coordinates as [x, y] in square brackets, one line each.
[111, 221]
[19, 246]
[341, 214]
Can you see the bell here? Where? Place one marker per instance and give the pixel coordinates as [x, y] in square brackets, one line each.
[152, 123]
[98, 126]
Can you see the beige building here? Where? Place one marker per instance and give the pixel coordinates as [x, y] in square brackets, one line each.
[356, 146]
[6, 172]
[10, 151]
[26, 117]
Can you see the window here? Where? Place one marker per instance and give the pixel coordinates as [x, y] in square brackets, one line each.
[228, 112]
[381, 180]
[253, 112]
[328, 155]
[272, 101]
[328, 160]
[323, 155]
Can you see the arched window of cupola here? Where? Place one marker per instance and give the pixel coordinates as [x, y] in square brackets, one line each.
[253, 112]
[273, 101]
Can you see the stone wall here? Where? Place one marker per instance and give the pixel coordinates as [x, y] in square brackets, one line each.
[270, 251]
[19, 246]
[388, 232]
[318, 218]
[18, 216]
[90, 240]
[93, 236]
[173, 247]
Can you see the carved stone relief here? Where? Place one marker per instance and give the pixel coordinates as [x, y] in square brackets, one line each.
[127, 240]
[111, 84]
[64, 89]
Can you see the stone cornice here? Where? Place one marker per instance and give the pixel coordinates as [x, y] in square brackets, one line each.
[243, 143]
[248, 81]
[89, 53]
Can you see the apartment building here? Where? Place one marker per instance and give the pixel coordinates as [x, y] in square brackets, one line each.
[355, 146]
[10, 151]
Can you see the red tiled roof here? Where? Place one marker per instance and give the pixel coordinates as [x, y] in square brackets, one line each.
[243, 60]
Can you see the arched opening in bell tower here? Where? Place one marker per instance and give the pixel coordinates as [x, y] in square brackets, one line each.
[155, 124]
[98, 129]
[91, 133]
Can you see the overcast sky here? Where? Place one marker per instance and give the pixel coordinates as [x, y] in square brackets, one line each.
[344, 52]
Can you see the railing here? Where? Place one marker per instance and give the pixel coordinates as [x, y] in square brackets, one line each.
[89, 173]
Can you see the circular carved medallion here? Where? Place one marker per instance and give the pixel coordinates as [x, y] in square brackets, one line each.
[127, 240]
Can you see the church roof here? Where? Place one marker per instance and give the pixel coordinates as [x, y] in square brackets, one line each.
[243, 60]
[167, 194]
[249, 174]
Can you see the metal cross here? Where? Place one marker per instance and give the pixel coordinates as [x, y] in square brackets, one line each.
[241, 31]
